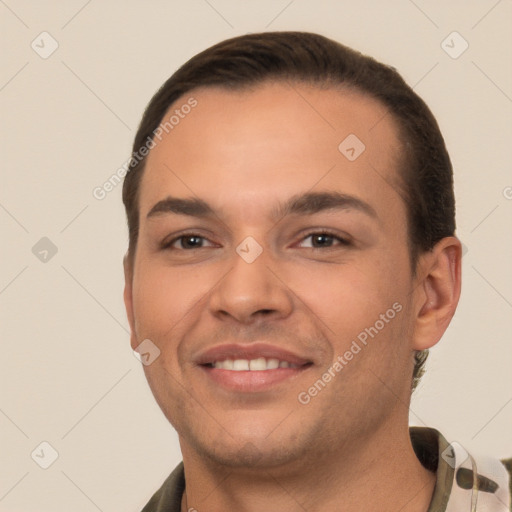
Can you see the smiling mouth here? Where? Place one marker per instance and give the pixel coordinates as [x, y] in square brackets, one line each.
[254, 368]
[254, 365]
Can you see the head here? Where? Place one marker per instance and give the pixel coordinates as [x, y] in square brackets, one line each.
[258, 122]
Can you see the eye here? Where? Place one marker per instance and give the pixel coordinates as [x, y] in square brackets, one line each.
[325, 239]
[187, 241]
[319, 240]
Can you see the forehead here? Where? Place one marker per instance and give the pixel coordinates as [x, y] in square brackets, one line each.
[243, 148]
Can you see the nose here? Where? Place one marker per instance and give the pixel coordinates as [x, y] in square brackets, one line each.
[251, 290]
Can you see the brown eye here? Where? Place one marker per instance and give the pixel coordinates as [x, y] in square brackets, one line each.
[186, 242]
[322, 239]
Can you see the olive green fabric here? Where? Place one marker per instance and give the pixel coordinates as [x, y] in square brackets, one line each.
[508, 464]
[428, 445]
[168, 497]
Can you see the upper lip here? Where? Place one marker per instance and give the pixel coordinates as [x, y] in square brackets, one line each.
[251, 351]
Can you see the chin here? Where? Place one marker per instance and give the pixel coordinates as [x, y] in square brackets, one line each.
[250, 456]
[248, 447]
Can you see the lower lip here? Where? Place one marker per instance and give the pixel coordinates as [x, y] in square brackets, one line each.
[252, 381]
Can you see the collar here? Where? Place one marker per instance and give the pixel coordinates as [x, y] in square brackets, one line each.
[464, 483]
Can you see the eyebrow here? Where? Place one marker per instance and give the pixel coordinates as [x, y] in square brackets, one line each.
[301, 204]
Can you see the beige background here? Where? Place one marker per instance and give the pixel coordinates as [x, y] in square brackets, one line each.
[68, 374]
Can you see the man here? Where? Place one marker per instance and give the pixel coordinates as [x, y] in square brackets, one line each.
[291, 259]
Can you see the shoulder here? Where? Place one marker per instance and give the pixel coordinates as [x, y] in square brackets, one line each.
[508, 464]
[168, 497]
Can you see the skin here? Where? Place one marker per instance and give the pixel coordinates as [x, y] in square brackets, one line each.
[243, 153]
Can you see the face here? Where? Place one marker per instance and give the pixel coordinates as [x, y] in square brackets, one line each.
[272, 273]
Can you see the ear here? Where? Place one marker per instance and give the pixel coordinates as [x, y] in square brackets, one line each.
[128, 298]
[437, 291]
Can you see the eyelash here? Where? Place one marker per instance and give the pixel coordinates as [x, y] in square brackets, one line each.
[343, 241]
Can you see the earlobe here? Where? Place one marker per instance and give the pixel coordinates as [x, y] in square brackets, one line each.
[128, 298]
[437, 292]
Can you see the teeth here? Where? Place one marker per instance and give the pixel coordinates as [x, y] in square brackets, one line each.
[227, 364]
[240, 365]
[259, 364]
[272, 364]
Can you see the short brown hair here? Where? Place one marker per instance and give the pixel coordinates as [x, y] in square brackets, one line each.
[240, 62]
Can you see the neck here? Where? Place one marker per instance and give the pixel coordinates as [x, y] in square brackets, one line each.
[381, 473]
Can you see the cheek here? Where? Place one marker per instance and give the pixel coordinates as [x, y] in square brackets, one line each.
[348, 297]
[158, 300]
[363, 304]
[165, 299]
